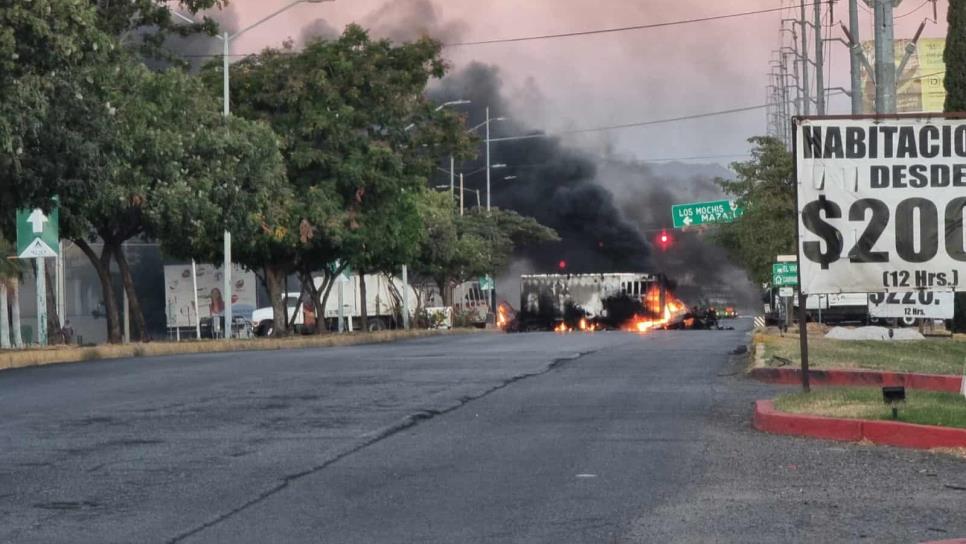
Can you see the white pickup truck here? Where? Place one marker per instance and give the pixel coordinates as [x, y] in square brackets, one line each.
[380, 303]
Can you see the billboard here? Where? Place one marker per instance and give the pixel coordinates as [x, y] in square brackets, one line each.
[180, 301]
[881, 203]
[920, 88]
[924, 304]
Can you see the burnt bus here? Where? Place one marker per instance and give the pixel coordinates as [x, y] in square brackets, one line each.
[605, 301]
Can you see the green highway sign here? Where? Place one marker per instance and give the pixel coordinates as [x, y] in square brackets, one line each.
[486, 283]
[38, 233]
[784, 274]
[705, 213]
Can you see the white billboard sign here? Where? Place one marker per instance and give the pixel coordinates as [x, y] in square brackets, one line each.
[881, 203]
[922, 304]
[180, 301]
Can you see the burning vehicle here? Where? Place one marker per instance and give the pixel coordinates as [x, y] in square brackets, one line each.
[633, 302]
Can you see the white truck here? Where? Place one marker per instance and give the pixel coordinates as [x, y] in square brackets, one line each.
[382, 305]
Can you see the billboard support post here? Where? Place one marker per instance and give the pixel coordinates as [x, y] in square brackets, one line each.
[802, 314]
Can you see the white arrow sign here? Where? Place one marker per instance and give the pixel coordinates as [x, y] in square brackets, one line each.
[687, 220]
[37, 220]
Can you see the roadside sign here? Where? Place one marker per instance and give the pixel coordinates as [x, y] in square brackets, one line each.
[922, 304]
[486, 283]
[346, 273]
[705, 213]
[37, 233]
[880, 203]
[787, 258]
[784, 274]
[786, 291]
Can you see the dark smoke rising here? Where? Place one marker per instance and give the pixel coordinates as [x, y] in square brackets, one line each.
[408, 20]
[700, 268]
[554, 184]
[199, 49]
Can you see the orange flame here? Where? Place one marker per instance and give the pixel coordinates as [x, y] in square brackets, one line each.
[502, 316]
[673, 307]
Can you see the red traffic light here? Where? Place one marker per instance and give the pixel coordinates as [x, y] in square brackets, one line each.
[562, 264]
[664, 240]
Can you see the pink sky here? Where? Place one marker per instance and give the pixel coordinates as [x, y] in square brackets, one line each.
[611, 78]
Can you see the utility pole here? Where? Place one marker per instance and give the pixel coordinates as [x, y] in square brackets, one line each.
[487, 159]
[461, 193]
[807, 106]
[452, 175]
[819, 60]
[885, 57]
[855, 57]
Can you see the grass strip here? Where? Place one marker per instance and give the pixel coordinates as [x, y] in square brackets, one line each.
[929, 356]
[921, 407]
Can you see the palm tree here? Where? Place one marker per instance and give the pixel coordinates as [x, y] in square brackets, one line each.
[10, 272]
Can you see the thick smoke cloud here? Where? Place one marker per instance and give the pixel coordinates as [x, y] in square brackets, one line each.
[553, 183]
[408, 20]
[700, 268]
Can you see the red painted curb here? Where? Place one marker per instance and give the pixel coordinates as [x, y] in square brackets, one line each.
[890, 433]
[872, 378]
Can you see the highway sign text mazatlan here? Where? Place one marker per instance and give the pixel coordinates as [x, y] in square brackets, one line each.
[705, 213]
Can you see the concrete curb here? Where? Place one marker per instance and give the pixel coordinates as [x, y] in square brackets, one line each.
[868, 378]
[61, 354]
[953, 541]
[890, 433]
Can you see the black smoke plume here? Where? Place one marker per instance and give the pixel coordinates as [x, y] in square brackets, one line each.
[550, 182]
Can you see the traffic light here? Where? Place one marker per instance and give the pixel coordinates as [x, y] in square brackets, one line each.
[664, 240]
[562, 265]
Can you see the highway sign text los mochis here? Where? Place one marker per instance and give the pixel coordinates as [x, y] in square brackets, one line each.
[38, 233]
[784, 274]
[705, 213]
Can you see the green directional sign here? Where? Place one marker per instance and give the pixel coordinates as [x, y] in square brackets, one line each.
[37, 233]
[705, 213]
[784, 274]
[486, 283]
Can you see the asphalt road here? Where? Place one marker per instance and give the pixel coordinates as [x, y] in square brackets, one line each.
[603, 437]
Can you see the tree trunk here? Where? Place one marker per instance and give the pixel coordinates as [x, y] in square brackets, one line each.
[102, 265]
[275, 284]
[4, 317]
[324, 298]
[54, 335]
[363, 305]
[16, 333]
[444, 291]
[134, 303]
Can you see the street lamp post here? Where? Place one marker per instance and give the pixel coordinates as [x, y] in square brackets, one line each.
[226, 39]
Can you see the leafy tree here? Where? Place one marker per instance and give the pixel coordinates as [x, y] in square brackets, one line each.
[144, 25]
[240, 186]
[44, 47]
[359, 141]
[765, 188]
[457, 248]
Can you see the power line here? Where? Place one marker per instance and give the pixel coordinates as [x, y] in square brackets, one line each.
[910, 12]
[631, 125]
[568, 34]
[623, 28]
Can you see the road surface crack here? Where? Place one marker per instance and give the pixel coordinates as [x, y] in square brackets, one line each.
[372, 438]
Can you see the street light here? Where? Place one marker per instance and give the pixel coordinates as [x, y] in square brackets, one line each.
[226, 39]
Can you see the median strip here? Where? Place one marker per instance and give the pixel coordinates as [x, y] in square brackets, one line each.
[75, 354]
[770, 419]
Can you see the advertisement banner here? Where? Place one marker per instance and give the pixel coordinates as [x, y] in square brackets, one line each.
[881, 203]
[180, 301]
[920, 87]
[922, 304]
